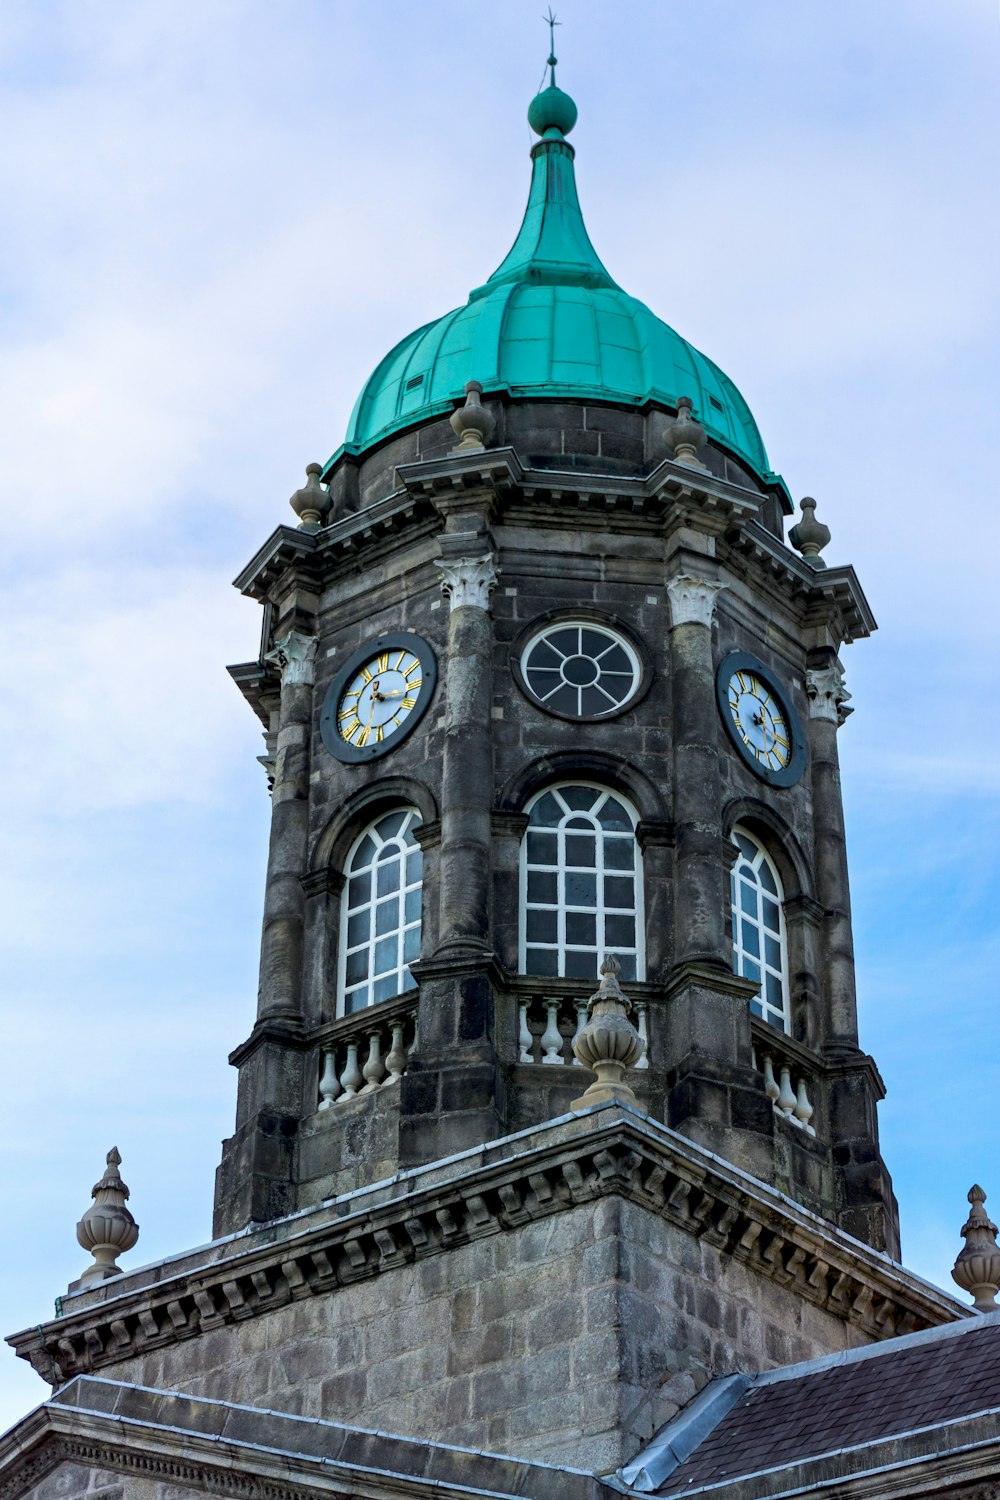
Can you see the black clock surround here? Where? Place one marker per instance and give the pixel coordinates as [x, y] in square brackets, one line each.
[743, 661]
[395, 640]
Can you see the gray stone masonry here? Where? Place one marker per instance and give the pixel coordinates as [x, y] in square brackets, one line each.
[98, 1440]
[558, 1295]
[630, 544]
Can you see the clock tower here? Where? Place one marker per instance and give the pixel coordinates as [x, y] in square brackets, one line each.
[542, 680]
[550, 705]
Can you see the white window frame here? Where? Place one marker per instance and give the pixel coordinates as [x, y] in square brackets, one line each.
[405, 981]
[561, 907]
[761, 1006]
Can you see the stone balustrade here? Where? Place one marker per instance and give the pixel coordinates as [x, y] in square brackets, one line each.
[547, 1027]
[369, 1051]
[787, 1081]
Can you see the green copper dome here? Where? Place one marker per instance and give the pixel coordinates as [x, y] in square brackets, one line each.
[551, 322]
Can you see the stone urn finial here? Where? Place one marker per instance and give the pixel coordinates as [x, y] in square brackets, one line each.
[977, 1269]
[107, 1229]
[609, 1044]
[810, 536]
[472, 423]
[685, 434]
[312, 501]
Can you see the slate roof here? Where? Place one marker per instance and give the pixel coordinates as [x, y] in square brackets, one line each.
[826, 1406]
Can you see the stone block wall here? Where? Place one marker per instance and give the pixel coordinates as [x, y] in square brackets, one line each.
[570, 1339]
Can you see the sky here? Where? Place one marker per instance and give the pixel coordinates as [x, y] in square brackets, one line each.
[218, 217]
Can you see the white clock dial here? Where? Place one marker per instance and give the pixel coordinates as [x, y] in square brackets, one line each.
[379, 698]
[759, 720]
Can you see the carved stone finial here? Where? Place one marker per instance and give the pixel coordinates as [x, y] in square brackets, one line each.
[810, 536]
[827, 694]
[977, 1269]
[107, 1229]
[685, 434]
[472, 423]
[312, 502]
[609, 1044]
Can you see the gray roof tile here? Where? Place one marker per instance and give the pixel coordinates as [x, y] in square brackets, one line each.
[848, 1404]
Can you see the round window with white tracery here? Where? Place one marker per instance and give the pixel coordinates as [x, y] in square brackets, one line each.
[580, 670]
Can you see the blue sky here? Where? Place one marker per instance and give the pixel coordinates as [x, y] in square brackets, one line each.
[219, 216]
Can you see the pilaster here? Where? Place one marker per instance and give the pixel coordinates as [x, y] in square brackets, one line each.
[254, 1177]
[868, 1205]
[449, 1095]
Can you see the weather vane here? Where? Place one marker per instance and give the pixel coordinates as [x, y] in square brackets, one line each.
[552, 24]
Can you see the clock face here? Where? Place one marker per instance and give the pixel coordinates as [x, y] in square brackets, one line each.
[377, 697]
[760, 719]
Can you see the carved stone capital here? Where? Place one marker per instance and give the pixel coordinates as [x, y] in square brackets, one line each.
[468, 580]
[295, 657]
[692, 599]
[828, 697]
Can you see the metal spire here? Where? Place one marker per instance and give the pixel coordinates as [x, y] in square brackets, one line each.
[552, 24]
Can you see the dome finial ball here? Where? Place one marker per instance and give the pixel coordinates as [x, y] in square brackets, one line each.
[552, 110]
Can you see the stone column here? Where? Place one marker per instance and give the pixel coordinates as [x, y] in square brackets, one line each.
[284, 900]
[467, 770]
[699, 906]
[827, 711]
[448, 1096]
[714, 1098]
[255, 1177]
[868, 1205]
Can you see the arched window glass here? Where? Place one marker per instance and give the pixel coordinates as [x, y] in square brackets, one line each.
[581, 887]
[760, 952]
[380, 915]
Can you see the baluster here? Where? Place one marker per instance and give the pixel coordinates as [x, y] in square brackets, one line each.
[373, 1070]
[786, 1094]
[771, 1088]
[640, 1015]
[803, 1108]
[581, 1021]
[525, 1040]
[552, 1042]
[396, 1057]
[414, 1017]
[329, 1084]
[753, 1056]
[352, 1077]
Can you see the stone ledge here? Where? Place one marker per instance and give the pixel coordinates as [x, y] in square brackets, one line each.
[220, 1447]
[493, 1189]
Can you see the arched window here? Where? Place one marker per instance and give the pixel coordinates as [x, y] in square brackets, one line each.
[380, 914]
[760, 951]
[581, 887]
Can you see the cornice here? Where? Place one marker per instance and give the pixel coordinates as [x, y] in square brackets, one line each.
[492, 1190]
[191, 1443]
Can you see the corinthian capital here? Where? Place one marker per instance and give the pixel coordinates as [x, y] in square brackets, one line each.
[295, 656]
[828, 697]
[468, 580]
[692, 600]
